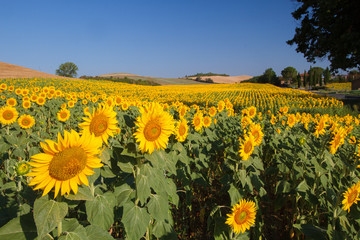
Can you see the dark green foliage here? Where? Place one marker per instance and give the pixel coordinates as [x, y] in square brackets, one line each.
[328, 29]
[123, 80]
[206, 74]
[289, 74]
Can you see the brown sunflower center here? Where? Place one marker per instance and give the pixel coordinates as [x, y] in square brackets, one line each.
[248, 147]
[98, 125]
[197, 121]
[240, 217]
[67, 163]
[8, 115]
[63, 115]
[182, 130]
[353, 196]
[25, 122]
[152, 131]
[256, 135]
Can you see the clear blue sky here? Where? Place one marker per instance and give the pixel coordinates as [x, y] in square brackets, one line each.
[168, 38]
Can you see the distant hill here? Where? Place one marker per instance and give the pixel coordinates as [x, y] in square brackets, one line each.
[226, 79]
[8, 70]
[161, 81]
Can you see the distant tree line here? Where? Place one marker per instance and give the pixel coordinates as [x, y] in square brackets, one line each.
[206, 74]
[123, 80]
[206, 80]
[315, 77]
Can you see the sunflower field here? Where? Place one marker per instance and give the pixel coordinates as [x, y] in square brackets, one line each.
[90, 159]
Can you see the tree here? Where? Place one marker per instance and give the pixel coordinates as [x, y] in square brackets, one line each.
[315, 74]
[327, 76]
[67, 69]
[269, 76]
[329, 29]
[298, 78]
[289, 74]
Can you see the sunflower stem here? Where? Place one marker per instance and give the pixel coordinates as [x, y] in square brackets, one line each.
[59, 226]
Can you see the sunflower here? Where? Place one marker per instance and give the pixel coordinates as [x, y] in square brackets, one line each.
[40, 101]
[154, 128]
[65, 164]
[26, 104]
[26, 121]
[22, 168]
[337, 140]
[124, 106]
[242, 217]
[351, 196]
[71, 104]
[102, 122]
[252, 112]
[220, 106]
[291, 120]
[11, 102]
[320, 127]
[8, 115]
[207, 121]
[181, 130]
[246, 146]
[182, 111]
[63, 115]
[197, 121]
[212, 111]
[256, 131]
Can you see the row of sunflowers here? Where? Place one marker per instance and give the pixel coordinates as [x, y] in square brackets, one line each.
[99, 160]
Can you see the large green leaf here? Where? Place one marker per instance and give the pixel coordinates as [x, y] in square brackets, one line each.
[84, 193]
[311, 231]
[135, 220]
[100, 211]
[158, 206]
[142, 183]
[19, 228]
[95, 233]
[47, 214]
[123, 194]
[234, 194]
[72, 230]
[164, 230]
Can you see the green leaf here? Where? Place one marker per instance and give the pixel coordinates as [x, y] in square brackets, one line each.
[94, 233]
[47, 214]
[125, 163]
[123, 194]
[19, 228]
[164, 230]
[135, 220]
[72, 230]
[105, 157]
[311, 231]
[84, 193]
[283, 187]
[142, 183]
[221, 229]
[302, 187]
[234, 194]
[100, 211]
[158, 206]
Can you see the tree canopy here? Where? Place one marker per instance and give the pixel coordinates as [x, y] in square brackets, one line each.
[329, 28]
[289, 74]
[67, 69]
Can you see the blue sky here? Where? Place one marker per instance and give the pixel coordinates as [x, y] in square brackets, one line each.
[168, 38]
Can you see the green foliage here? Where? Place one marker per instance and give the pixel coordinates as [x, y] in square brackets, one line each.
[123, 80]
[67, 69]
[209, 74]
[289, 74]
[327, 29]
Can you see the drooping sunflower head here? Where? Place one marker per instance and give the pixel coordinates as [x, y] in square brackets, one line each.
[256, 131]
[338, 139]
[320, 127]
[242, 216]
[63, 115]
[220, 106]
[351, 196]
[65, 164]
[102, 122]
[181, 130]
[246, 146]
[154, 128]
[8, 115]
[26, 121]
